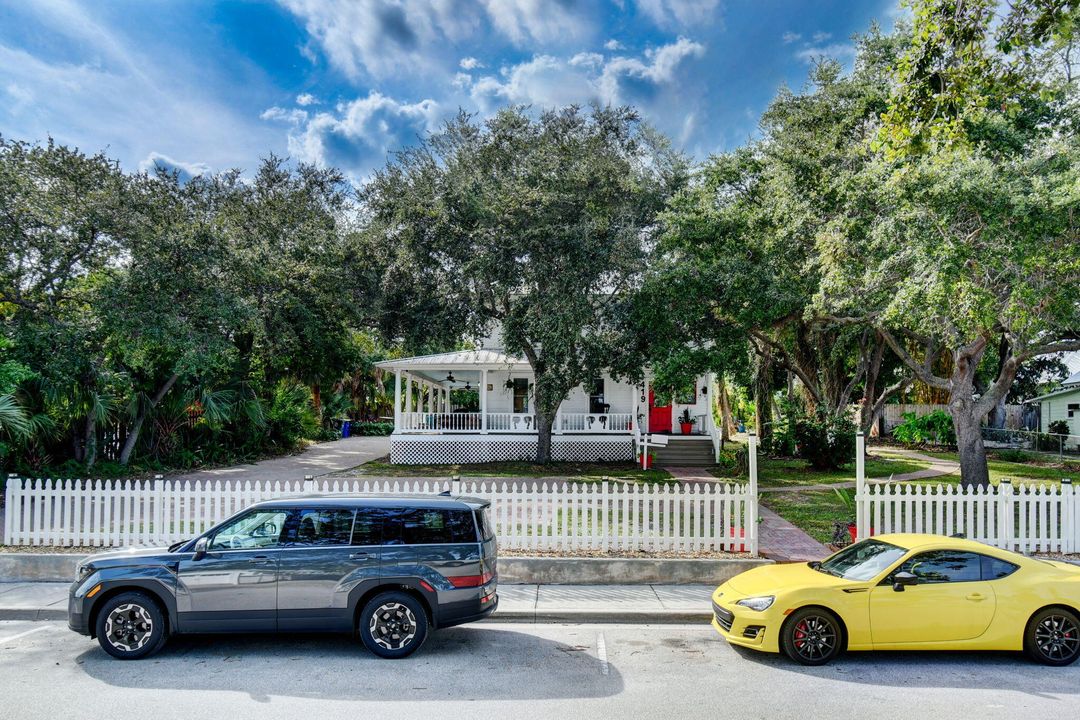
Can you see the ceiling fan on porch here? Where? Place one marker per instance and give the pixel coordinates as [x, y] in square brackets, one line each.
[450, 377]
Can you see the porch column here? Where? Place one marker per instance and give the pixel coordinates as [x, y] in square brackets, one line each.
[397, 400]
[558, 421]
[408, 393]
[483, 402]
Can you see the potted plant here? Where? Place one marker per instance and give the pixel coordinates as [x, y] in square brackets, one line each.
[846, 531]
[686, 423]
[646, 461]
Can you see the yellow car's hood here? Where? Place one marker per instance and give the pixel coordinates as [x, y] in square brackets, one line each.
[771, 579]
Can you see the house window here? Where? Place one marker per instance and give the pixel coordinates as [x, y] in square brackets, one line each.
[521, 395]
[1073, 407]
[596, 397]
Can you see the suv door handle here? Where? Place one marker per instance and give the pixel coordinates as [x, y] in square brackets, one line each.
[360, 556]
[259, 560]
[976, 597]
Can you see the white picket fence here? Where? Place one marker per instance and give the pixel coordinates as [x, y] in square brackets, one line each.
[559, 516]
[1025, 518]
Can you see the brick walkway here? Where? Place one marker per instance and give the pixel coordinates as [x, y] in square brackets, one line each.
[691, 475]
[781, 541]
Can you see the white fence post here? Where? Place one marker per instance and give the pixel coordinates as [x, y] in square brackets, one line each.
[1070, 516]
[1006, 517]
[9, 509]
[751, 497]
[862, 531]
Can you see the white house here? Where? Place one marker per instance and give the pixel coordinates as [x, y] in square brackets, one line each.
[1063, 404]
[601, 422]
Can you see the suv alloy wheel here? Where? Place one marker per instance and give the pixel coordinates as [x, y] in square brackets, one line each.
[393, 625]
[131, 626]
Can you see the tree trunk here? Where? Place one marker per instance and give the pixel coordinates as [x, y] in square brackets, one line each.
[140, 417]
[763, 399]
[727, 425]
[90, 440]
[544, 422]
[973, 470]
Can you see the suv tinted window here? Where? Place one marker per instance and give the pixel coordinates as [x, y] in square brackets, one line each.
[428, 526]
[323, 527]
[483, 522]
[994, 569]
[367, 530]
[257, 529]
[940, 566]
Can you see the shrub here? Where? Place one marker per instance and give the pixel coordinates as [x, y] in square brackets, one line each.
[370, 428]
[825, 440]
[935, 428]
[1018, 456]
[291, 416]
[1059, 427]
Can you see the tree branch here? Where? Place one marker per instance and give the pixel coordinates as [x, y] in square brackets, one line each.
[921, 370]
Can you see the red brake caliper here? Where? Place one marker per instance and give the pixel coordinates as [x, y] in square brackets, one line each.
[800, 634]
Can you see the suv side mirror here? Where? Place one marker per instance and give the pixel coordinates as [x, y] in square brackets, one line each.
[200, 548]
[902, 580]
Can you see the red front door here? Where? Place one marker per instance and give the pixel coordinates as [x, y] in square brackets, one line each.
[659, 416]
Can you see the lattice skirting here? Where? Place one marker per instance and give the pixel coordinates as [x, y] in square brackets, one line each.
[481, 449]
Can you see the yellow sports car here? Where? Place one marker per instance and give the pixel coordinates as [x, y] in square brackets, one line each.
[905, 592]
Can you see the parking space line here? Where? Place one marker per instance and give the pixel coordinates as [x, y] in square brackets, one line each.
[24, 634]
[601, 652]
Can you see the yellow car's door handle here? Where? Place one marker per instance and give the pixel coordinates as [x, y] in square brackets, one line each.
[976, 597]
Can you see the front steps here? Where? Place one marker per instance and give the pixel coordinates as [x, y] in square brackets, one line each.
[684, 451]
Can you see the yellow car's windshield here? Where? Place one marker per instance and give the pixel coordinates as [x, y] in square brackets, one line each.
[863, 560]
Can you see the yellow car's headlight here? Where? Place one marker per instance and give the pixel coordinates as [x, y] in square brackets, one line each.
[757, 603]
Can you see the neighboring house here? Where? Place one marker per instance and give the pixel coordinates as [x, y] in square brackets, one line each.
[1063, 404]
[493, 420]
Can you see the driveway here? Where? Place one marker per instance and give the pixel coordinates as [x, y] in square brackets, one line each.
[318, 459]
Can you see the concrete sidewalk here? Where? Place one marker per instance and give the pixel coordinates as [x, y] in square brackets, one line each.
[517, 603]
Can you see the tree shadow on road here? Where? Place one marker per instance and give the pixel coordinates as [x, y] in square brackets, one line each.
[474, 663]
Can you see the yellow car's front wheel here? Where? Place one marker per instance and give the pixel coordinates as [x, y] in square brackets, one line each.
[811, 636]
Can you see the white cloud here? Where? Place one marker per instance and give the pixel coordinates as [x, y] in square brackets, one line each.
[820, 37]
[107, 94]
[542, 21]
[292, 116]
[383, 37]
[613, 45]
[187, 170]
[470, 63]
[835, 51]
[680, 13]
[790, 37]
[547, 81]
[359, 134]
[462, 80]
[304, 99]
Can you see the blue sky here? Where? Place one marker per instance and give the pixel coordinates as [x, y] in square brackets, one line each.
[213, 85]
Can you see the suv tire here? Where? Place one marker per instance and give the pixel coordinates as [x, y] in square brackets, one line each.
[393, 625]
[131, 626]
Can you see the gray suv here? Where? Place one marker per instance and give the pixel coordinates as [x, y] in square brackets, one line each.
[389, 567]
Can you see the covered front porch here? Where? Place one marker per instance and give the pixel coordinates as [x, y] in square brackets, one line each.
[475, 406]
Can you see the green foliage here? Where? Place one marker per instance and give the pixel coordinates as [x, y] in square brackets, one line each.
[291, 417]
[371, 428]
[934, 428]
[825, 440]
[1059, 427]
[1018, 456]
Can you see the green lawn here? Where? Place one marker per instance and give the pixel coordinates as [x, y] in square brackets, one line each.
[585, 472]
[786, 472]
[1041, 469]
[812, 511]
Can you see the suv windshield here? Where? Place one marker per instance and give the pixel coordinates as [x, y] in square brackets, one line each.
[863, 560]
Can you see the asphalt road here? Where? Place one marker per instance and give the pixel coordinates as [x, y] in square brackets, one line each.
[511, 671]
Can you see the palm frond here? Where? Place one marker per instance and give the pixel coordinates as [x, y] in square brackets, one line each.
[13, 420]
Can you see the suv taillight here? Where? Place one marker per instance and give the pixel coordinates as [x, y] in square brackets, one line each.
[467, 581]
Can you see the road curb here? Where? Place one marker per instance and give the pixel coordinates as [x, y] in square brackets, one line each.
[33, 614]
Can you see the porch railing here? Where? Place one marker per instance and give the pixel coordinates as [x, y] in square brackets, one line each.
[594, 423]
[440, 422]
[503, 422]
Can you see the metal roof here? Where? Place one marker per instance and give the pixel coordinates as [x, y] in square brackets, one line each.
[1063, 391]
[490, 359]
[1073, 379]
